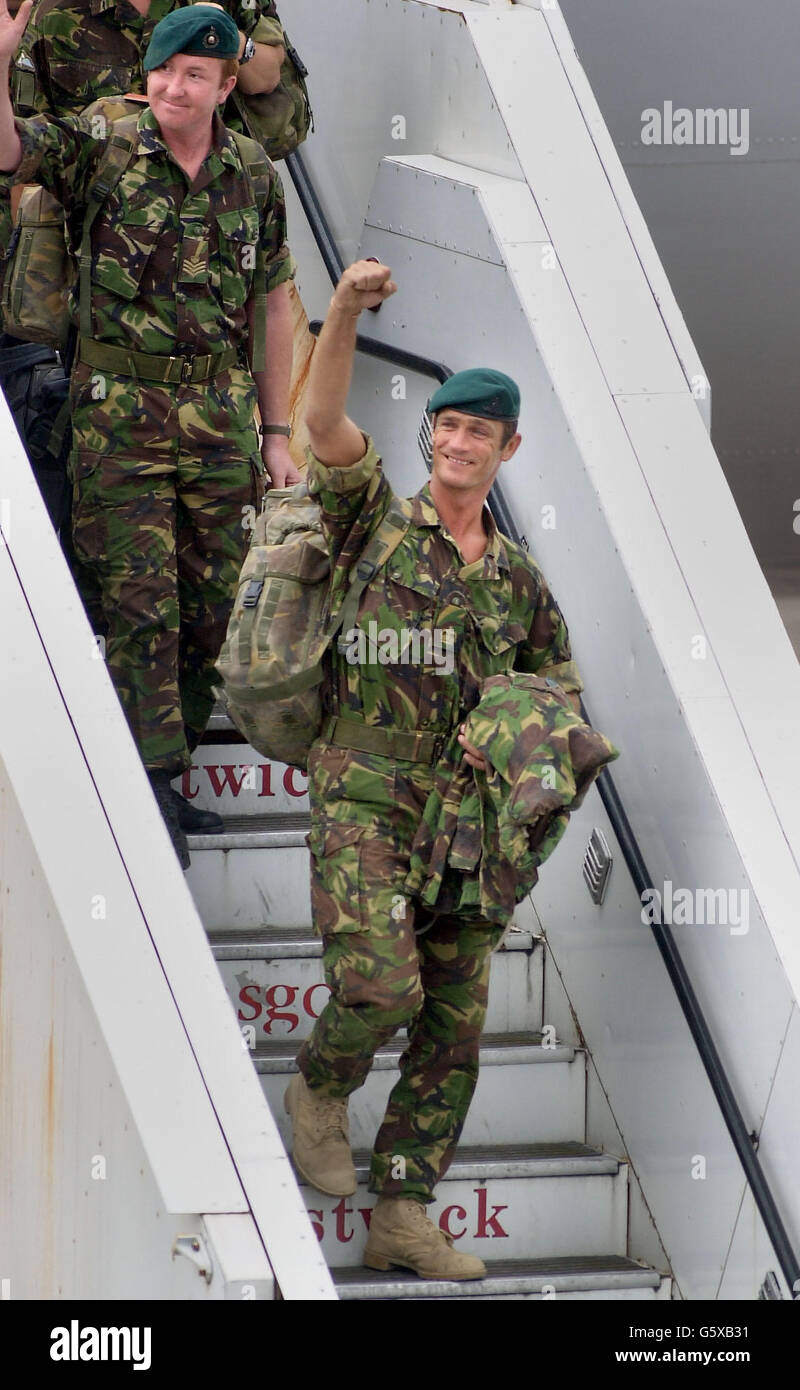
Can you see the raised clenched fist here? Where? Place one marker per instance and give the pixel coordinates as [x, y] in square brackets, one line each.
[363, 285]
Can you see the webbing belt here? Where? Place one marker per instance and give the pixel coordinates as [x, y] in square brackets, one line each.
[150, 368]
[409, 745]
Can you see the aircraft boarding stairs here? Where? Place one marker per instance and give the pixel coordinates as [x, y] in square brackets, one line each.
[546, 1211]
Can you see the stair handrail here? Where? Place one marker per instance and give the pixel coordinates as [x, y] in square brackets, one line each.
[745, 1142]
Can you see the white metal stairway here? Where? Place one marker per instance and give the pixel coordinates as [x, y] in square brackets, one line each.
[546, 1212]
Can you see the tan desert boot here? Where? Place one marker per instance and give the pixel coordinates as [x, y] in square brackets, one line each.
[321, 1139]
[400, 1233]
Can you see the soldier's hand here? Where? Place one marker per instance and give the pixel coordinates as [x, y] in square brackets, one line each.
[278, 461]
[11, 30]
[471, 754]
[364, 285]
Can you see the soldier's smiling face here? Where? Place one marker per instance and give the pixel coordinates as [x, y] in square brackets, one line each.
[468, 449]
[185, 90]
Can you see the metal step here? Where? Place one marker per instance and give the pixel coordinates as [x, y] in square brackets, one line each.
[254, 874]
[221, 723]
[276, 830]
[275, 982]
[524, 1201]
[238, 891]
[527, 1092]
[270, 944]
[574, 1277]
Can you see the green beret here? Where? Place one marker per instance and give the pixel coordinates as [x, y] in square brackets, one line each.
[199, 30]
[478, 391]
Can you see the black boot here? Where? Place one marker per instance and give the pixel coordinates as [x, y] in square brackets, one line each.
[193, 820]
[162, 791]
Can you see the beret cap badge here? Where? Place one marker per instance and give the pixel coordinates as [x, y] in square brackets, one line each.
[210, 39]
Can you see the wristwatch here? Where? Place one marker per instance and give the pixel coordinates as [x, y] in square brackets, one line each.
[248, 52]
[277, 429]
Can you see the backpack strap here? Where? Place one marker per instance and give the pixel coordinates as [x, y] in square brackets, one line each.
[380, 548]
[114, 161]
[257, 171]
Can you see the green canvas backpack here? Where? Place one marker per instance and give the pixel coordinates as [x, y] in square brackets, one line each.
[37, 272]
[281, 627]
[281, 119]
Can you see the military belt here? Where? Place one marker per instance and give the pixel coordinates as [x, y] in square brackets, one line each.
[407, 745]
[148, 367]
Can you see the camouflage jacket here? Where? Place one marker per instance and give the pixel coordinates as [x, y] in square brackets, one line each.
[483, 836]
[430, 628]
[172, 265]
[75, 51]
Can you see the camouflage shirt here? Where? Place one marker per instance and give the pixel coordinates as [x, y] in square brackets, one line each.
[471, 620]
[172, 264]
[75, 51]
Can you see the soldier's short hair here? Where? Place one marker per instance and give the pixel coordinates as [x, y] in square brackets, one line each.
[230, 68]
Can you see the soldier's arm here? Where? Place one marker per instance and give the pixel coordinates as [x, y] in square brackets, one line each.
[273, 386]
[11, 31]
[260, 23]
[335, 439]
[273, 375]
[263, 72]
[60, 154]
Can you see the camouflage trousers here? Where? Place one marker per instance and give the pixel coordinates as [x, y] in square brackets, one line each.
[165, 480]
[392, 964]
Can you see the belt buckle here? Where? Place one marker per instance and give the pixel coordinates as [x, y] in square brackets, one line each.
[185, 367]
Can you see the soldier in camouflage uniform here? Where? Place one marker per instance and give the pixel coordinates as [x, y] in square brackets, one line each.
[74, 52]
[166, 461]
[389, 961]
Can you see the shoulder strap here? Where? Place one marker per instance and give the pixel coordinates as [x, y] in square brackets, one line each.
[114, 161]
[256, 164]
[380, 548]
[258, 173]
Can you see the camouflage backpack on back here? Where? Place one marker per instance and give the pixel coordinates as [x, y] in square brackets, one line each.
[281, 626]
[281, 119]
[37, 272]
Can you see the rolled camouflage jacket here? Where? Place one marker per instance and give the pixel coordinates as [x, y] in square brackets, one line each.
[75, 51]
[483, 836]
[172, 267]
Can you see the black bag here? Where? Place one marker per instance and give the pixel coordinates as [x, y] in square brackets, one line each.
[36, 386]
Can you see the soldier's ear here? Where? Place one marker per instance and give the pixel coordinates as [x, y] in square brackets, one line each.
[508, 451]
[226, 89]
